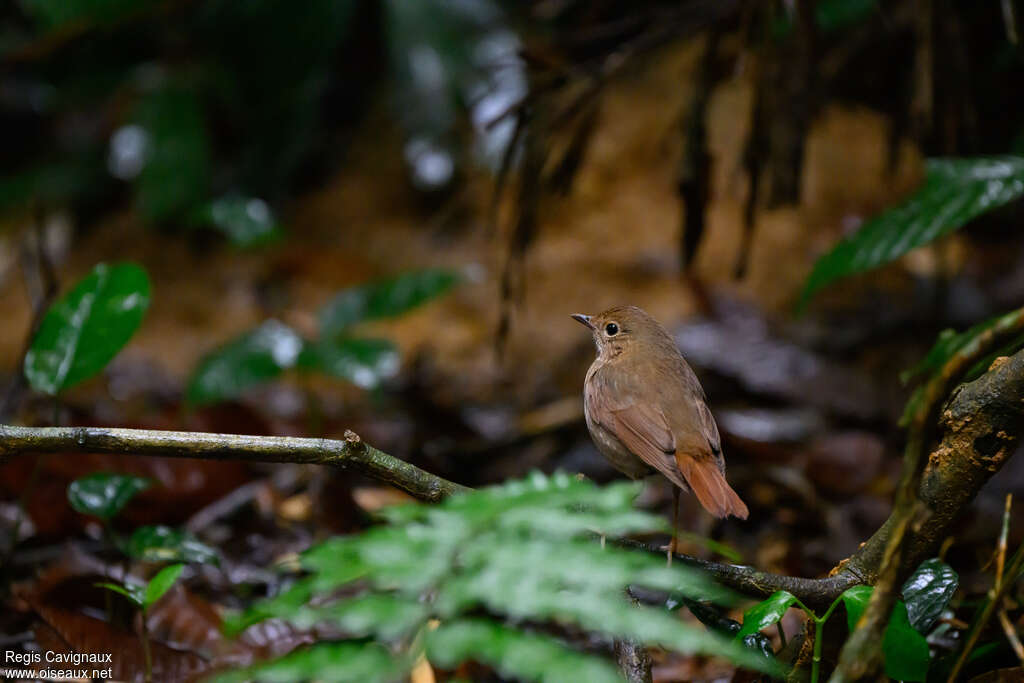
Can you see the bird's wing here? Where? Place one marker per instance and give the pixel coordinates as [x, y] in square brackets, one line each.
[641, 427]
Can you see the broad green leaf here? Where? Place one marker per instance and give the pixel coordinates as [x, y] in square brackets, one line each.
[383, 299]
[246, 221]
[133, 591]
[161, 583]
[955, 191]
[164, 544]
[927, 592]
[83, 330]
[905, 650]
[252, 359]
[104, 494]
[174, 177]
[832, 15]
[515, 654]
[765, 613]
[52, 14]
[344, 662]
[364, 362]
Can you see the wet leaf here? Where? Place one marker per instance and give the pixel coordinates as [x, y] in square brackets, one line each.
[364, 362]
[905, 650]
[947, 344]
[765, 613]
[104, 494]
[955, 192]
[252, 359]
[927, 592]
[83, 330]
[383, 299]
[246, 221]
[164, 544]
[161, 583]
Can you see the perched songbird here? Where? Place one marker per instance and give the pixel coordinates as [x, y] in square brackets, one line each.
[646, 410]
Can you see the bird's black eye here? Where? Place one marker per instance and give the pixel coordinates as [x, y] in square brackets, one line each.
[611, 329]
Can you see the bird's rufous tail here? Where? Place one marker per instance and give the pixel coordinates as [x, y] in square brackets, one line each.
[709, 485]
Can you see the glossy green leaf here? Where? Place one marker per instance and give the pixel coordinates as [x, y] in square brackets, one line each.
[927, 592]
[252, 359]
[765, 613]
[164, 544]
[161, 583]
[364, 362]
[515, 654]
[83, 330]
[245, 221]
[133, 591]
[383, 299]
[342, 662]
[905, 650]
[955, 191]
[175, 175]
[104, 494]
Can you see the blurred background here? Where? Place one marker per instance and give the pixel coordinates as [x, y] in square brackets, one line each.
[511, 163]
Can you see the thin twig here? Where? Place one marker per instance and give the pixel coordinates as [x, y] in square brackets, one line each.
[1011, 635]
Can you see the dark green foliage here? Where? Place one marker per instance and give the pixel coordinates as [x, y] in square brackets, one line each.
[927, 592]
[364, 362]
[53, 14]
[245, 221]
[765, 613]
[84, 330]
[104, 494]
[384, 299]
[515, 552]
[164, 544]
[955, 191]
[905, 650]
[254, 358]
[175, 175]
[271, 349]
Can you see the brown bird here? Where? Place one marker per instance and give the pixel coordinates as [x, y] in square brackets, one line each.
[646, 410]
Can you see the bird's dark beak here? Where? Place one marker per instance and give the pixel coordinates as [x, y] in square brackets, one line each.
[583, 319]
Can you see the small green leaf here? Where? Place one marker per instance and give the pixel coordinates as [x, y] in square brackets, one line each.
[948, 343]
[765, 613]
[955, 192]
[164, 544]
[252, 359]
[246, 221]
[515, 654]
[104, 494]
[383, 299]
[344, 662]
[161, 583]
[905, 650]
[84, 329]
[927, 592]
[133, 591]
[364, 362]
[175, 175]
